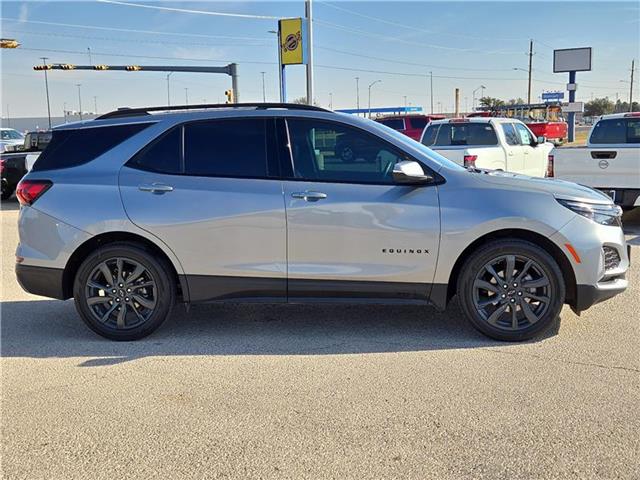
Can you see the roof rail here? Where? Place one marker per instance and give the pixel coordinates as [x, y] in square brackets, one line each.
[129, 112]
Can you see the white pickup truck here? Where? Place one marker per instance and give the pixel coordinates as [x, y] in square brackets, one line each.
[611, 160]
[489, 142]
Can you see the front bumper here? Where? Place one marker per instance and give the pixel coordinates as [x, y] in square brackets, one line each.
[589, 295]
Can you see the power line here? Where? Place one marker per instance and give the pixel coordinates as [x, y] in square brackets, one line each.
[129, 30]
[185, 10]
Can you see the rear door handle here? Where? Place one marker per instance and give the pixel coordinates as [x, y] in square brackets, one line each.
[309, 196]
[155, 188]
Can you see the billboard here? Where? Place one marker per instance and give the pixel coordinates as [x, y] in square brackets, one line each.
[572, 60]
[292, 37]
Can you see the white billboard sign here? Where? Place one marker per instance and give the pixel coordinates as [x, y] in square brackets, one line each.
[572, 60]
[573, 107]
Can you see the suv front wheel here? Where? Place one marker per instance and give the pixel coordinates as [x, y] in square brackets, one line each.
[122, 292]
[511, 290]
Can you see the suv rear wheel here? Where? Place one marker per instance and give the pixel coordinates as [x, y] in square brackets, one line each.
[511, 290]
[122, 292]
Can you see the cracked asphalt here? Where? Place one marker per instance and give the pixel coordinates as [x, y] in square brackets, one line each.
[249, 391]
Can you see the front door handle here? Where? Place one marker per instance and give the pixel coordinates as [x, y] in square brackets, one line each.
[309, 196]
[155, 188]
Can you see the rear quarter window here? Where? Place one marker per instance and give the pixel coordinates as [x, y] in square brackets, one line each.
[395, 123]
[462, 134]
[70, 148]
[418, 123]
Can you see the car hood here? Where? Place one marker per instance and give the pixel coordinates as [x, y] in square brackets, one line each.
[557, 188]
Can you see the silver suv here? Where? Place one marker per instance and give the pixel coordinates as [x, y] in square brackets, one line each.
[143, 208]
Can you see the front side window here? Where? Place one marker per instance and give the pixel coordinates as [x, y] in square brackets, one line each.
[226, 148]
[510, 134]
[610, 131]
[524, 134]
[327, 151]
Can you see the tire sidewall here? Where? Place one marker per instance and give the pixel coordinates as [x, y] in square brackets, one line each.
[156, 267]
[511, 247]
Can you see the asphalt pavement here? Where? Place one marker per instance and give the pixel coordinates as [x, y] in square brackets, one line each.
[319, 392]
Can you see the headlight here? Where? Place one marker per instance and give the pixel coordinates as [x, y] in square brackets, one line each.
[603, 214]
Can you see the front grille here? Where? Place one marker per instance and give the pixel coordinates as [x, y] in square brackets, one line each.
[611, 258]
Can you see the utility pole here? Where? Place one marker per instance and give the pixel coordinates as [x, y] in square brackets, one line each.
[64, 111]
[95, 104]
[309, 11]
[46, 86]
[633, 66]
[358, 93]
[457, 104]
[405, 104]
[431, 75]
[530, 69]
[79, 100]
[89, 53]
[168, 91]
[330, 100]
[264, 96]
[8, 117]
[186, 96]
[371, 85]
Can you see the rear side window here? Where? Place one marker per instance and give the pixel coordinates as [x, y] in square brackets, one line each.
[418, 123]
[610, 131]
[70, 148]
[163, 155]
[226, 148]
[510, 134]
[633, 131]
[395, 123]
[455, 134]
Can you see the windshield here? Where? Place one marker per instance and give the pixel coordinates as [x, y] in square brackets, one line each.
[419, 146]
[11, 135]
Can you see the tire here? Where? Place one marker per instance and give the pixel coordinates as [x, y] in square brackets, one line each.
[147, 298]
[7, 190]
[537, 297]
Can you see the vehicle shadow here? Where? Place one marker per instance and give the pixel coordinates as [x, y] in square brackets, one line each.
[45, 329]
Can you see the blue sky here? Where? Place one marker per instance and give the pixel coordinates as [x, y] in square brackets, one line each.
[464, 44]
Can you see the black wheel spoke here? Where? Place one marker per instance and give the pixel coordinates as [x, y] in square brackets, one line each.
[537, 283]
[481, 284]
[96, 285]
[108, 313]
[528, 313]
[142, 285]
[538, 298]
[145, 302]
[98, 300]
[510, 268]
[493, 318]
[122, 313]
[139, 270]
[524, 270]
[119, 266]
[106, 273]
[494, 274]
[135, 310]
[514, 317]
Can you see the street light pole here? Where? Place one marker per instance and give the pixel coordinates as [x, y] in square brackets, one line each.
[330, 101]
[633, 65]
[79, 100]
[46, 86]
[186, 96]
[357, 93]
[431, 75]
[95, 104]
[309, 11]
[264, 96]
[168, 90]
[371, 85]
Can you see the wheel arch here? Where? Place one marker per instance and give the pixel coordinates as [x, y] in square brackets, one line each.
[441, 296]
[97, 241]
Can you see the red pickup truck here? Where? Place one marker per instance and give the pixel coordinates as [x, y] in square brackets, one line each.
[411, 125]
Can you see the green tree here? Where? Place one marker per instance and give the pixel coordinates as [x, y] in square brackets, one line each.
[491, 102]
[598, 106]
[516, 101]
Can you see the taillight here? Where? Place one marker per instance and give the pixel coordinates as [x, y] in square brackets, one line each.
[470, 160]
[1, 166]
[549, 166]
[28, 191]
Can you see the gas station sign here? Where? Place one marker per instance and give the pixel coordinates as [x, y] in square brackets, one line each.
[292, 38]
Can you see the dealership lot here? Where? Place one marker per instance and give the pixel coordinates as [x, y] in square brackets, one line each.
[290, 391]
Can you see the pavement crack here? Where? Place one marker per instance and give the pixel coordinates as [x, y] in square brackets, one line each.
[569, 362]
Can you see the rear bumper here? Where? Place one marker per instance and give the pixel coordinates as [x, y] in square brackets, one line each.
[589, 295]
[43, 281]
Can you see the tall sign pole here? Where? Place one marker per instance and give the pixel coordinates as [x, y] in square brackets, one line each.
[309, 11]
[46, 86]
[530, 69]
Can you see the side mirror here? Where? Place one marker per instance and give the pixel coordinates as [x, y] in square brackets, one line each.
[409, 172]
[541, 139]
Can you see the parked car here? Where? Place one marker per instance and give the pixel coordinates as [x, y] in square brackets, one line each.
[491, 143]
[13, 166]
[10, 138]
[411, 125]
[611, 160]
[142, 208]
